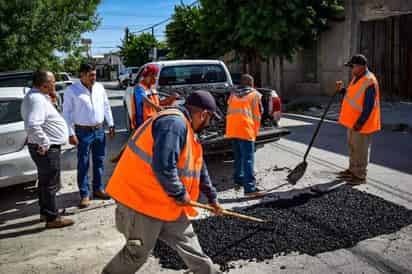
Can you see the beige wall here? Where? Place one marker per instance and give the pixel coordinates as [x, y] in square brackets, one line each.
[335, 47]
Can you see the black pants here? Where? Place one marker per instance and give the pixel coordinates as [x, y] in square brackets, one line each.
[48, 169]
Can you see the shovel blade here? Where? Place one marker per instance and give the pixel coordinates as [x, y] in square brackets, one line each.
[297, 173]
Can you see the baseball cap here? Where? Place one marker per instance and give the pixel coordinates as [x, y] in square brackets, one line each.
[357, 59]
[150, 69]
[203, 100]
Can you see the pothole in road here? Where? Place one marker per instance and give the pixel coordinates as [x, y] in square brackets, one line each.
[310, 223]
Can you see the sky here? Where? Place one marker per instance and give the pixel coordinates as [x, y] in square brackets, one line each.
[136, 14]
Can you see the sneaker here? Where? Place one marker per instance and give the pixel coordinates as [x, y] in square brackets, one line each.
[344, 173]
[84, 202]
[59, 222]
[355, 180]
[43, 218]
[101, 195]
[256, 193]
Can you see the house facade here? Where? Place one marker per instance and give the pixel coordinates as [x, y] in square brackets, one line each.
[379, 29]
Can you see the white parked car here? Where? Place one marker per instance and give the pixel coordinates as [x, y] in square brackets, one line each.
[16, 165]
[127, 76]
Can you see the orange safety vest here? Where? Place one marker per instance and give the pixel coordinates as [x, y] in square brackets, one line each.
[243, 116]
[148, 112]
[134, 184]
[352, 104]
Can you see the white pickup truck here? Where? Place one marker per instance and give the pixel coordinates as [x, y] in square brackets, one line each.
[185, 76]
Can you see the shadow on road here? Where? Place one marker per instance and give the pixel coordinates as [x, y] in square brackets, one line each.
[21, 201]
[389, 149]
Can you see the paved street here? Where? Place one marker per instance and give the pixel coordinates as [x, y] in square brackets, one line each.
[25, 247]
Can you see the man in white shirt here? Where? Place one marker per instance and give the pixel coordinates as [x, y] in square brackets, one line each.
[85, 108]
[46, 132]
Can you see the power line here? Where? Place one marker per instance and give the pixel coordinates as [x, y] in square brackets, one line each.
[161, 22]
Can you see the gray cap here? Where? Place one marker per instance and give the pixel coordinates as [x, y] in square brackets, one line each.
[357, 59]
[203, 100]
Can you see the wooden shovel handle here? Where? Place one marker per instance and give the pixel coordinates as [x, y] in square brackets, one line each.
[227, 212]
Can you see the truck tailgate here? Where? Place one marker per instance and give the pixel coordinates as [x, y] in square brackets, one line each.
[221, 145]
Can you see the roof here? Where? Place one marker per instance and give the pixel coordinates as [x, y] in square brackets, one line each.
[187, 62]
[11, 92]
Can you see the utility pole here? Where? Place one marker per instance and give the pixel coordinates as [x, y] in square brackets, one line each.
[126, 35]
[154, 49]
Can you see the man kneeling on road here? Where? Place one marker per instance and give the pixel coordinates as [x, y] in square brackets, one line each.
[360, 114]
[160, 172]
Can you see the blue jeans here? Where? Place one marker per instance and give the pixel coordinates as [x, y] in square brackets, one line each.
[94, 141]
[244, 155]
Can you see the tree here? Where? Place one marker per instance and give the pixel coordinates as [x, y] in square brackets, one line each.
[255, 29]
[32, 31]
[74, 59]
[135, 49]
[183, 33]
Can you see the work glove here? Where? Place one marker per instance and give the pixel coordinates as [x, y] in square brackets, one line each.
[339, 86]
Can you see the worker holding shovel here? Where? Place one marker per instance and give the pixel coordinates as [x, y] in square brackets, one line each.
[360, 114]
[156, 183]
[145, 101]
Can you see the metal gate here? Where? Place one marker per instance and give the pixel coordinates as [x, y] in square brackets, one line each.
[387, 43]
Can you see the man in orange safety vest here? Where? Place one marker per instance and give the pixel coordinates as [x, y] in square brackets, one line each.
[160, 172]
[360, 114]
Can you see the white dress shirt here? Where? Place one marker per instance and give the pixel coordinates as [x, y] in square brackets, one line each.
[43, 123]
[82, 107]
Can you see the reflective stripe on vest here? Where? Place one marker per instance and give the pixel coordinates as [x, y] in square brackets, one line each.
[148, 111]
[352, 105]
[362, 89]
[242, 111]
[135, 184]
[185, 172]
[243, 116]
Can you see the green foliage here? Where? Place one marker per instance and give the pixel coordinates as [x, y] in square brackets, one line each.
[266, 27]
[73, 60]
[135, 49]
[251, 28]
[183, 33]
[32, 31]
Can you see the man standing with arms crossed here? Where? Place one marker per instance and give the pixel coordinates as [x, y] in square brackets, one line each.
[242, 126]
[85, 108]
[361, 115]
[46, 132]
[160, 172]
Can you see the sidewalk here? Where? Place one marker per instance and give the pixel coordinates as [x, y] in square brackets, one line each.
[395, 116]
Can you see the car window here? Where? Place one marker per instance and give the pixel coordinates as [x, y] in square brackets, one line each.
[23, 80]
[62, 77]
[135, 70]
[10, 111]
[192, 74]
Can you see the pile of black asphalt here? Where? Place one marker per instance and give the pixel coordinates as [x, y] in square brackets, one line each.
[307, 224]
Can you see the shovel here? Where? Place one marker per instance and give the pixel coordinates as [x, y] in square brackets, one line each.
[297, 173]
[227, 212]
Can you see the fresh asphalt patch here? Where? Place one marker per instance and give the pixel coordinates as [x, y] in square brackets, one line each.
[311, 223]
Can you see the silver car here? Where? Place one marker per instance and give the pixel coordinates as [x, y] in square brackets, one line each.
[16, 165]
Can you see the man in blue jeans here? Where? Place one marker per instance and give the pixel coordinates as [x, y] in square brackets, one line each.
[242, 126]
[85, 108]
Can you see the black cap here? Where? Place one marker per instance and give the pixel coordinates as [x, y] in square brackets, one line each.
[203, 100]
[357, 59]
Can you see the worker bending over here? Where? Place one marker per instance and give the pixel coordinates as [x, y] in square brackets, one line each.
[160, 172]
